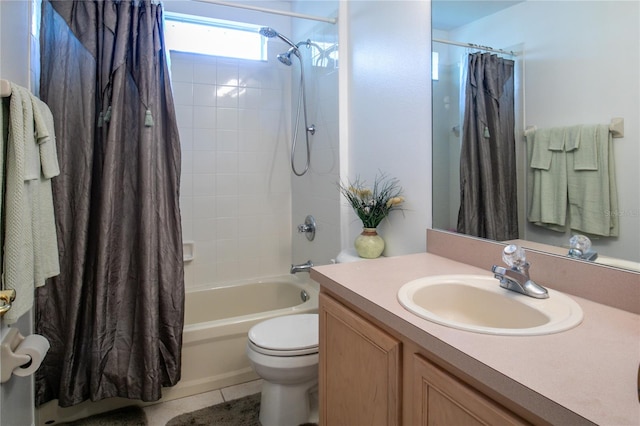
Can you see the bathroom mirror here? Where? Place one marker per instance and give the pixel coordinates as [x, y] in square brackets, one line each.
[568, 71]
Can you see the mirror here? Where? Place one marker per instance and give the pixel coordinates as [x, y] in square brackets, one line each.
[575, 63]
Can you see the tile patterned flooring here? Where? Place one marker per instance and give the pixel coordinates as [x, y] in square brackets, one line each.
[160, 414]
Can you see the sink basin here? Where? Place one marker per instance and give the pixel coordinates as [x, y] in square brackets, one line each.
[477, 303]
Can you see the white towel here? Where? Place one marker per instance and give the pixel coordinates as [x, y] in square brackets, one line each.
[45, 136]
[47, 262]
[18, 267]
[30, 244]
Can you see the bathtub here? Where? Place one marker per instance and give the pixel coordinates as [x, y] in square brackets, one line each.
[217, 320]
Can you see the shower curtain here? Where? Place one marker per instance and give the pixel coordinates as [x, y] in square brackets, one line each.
[488, 204]
[114, 315]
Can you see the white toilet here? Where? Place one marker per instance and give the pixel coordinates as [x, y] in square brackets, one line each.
[284, 353]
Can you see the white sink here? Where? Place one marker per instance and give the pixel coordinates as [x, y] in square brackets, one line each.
[477, 303]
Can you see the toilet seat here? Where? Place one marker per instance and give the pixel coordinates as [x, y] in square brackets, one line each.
[289, 335]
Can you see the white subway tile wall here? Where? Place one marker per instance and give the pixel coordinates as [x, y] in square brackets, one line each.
[316, 192]
[233, 117]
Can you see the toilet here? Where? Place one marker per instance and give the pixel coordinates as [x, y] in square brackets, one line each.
[283, 351]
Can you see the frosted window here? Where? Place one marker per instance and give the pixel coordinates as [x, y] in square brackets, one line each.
[191, 34]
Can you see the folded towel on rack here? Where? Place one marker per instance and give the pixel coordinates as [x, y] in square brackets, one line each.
[545, 143]
[547, 187]
[592, 191]
[585, 146]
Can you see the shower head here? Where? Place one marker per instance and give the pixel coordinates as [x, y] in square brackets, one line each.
[285, 58]
[271, 33]
[268, 32]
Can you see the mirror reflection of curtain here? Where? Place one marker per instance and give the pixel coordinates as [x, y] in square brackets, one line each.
[114, 315]
[488, 185]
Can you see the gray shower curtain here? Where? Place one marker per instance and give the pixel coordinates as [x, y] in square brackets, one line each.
[488, 198]
[114, 315]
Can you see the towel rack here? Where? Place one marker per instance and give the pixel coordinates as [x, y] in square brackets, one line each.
[616, 127]
[5, 88]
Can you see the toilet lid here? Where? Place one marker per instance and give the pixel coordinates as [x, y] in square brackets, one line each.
[286, 333]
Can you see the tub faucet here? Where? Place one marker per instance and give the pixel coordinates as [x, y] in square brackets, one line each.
[304, 267]
[516, 278]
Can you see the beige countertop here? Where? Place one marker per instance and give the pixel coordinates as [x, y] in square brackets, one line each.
[588, 373]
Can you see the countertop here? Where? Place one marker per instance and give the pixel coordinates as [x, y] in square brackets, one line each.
[588, 373]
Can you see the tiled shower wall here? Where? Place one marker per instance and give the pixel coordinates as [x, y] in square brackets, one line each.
[233, 117]
[316, 192]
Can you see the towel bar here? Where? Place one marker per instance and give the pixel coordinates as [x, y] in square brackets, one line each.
[616, 127]
[5, 88]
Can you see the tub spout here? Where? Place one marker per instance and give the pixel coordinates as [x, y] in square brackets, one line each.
[304, 267]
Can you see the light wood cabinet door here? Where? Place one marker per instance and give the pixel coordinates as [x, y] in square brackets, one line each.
[359, 370]
[441, 399]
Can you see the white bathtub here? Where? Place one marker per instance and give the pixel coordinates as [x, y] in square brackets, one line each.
[217, 320]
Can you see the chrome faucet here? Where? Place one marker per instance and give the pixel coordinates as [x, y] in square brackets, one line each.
[304, 267]
[516, 278]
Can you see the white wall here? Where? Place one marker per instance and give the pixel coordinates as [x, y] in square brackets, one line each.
[388, 96]
[19, 63]
[581, 67]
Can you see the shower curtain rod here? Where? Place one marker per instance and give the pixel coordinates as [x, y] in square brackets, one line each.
[475, 46]
[273, 11]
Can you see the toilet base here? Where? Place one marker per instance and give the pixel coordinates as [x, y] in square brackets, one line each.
[289, 405]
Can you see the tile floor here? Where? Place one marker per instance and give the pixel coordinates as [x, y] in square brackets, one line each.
[160, 414]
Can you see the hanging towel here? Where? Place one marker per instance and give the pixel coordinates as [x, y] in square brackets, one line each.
[592, 192]
[585, 148]
[45, 136]
[29, 256]
[18, 267]
[547, 182]
[47, 262]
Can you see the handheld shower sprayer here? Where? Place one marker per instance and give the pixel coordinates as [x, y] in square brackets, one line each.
[285, 58]
[269, 32]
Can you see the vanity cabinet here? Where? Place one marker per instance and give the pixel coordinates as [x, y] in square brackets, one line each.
[361, 379]
[359, 372]
[439, 398]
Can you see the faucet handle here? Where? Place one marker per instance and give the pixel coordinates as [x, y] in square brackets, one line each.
[514, 256]
[579, 245]
[580, 248]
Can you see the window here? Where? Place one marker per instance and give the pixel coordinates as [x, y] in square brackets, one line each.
[195, 34]
[434, 65]
[324, 54]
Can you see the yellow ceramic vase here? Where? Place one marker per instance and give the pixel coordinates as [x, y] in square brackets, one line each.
[369, 244]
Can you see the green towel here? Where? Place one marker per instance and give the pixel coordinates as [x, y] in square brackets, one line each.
[593, 192]
[585, 153]
[547, 188]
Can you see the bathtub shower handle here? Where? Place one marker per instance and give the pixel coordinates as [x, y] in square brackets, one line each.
[304, 295]
[308, 227]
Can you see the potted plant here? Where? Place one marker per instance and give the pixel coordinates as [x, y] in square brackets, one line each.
[372, 205]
